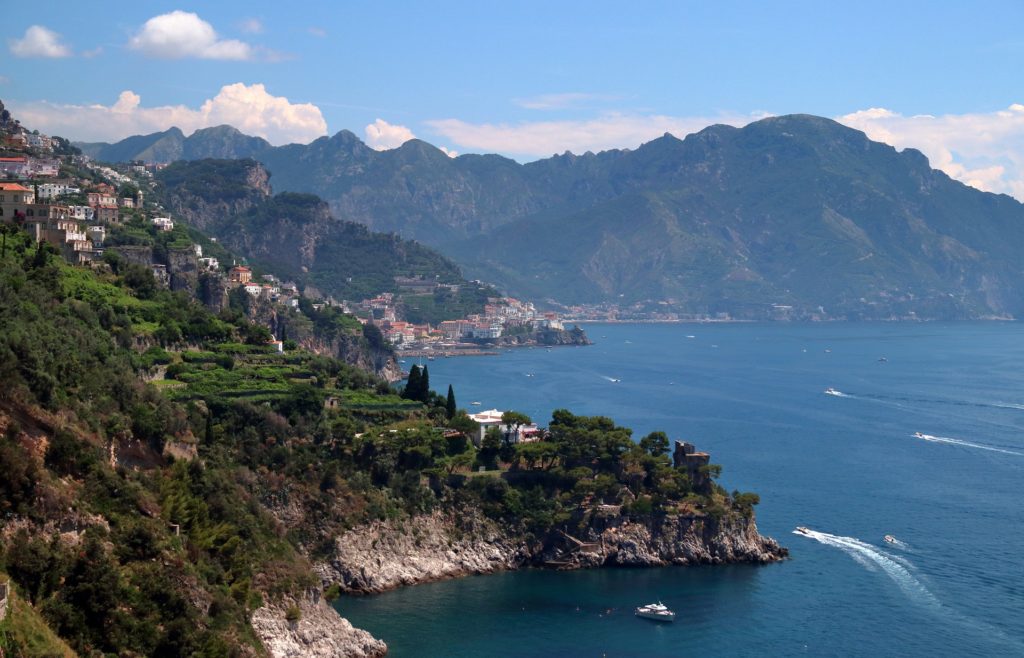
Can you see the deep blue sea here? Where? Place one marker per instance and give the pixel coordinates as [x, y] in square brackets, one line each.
[847, 466]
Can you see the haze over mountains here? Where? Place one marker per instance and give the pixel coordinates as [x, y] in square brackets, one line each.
[793, 216]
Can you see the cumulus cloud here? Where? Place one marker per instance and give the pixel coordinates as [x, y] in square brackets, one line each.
[250, 108]
[381, 135]
[181, 34]
[39, 42]
[447, 151]
[532, 139]
[984, 150]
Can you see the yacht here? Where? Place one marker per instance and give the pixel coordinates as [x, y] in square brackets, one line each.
[655, 611]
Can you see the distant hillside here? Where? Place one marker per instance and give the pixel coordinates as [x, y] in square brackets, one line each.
[296, 236]
[794, 216]
[172, 145]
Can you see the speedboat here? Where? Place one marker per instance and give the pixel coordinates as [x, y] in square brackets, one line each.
[802, 530]
[918, 435]
[831, 391]
[655, 611]
[890, 539]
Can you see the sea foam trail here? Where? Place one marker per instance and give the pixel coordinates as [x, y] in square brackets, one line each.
[872, 557]
[948, 440]
[899, 571]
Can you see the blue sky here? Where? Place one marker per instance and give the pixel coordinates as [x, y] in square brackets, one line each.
[528, 79]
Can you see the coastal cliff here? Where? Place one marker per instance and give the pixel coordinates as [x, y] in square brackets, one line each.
[385, 555]
[312, 630]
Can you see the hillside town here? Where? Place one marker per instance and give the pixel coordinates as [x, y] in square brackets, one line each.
[96, 214]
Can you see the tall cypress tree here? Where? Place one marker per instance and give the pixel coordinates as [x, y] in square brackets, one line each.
[450, 406]
[424, 386]
[412, 385]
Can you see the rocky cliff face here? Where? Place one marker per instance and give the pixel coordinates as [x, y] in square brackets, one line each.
[318, 633]
[386, 555]
[203, 206]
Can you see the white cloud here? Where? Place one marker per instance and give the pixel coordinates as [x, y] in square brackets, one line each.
[251, 26]
[560, 101]
[447, 151]
[381, 135]
[39, 42]
[318, 32]
[251, 109]
[984, 150]
[542, 138]
[181, 34]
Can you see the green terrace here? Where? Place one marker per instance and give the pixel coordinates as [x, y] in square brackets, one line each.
[257, 374]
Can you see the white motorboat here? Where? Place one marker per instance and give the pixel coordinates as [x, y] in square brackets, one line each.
[832, 391]
[890, 539]
[919, 435]
[656, 611]
[802, 530]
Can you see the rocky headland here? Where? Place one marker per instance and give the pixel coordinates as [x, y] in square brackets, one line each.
[388, 554]
[312, 630]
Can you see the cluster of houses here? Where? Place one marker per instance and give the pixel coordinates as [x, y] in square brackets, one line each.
[76, 229]
[501, 315]
[269, 287]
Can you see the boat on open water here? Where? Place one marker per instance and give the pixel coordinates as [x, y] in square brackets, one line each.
[656, 611]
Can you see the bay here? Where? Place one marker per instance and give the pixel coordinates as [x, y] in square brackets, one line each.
[848, 466]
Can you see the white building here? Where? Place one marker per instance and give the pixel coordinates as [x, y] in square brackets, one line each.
[82, 213]
[209, 264]
[54, 190]
[163, 223]
[492, 418]
[97, 234]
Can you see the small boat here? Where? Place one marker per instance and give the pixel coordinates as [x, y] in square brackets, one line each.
[919, 435]
[882, 359]
[832, 391]
[655, 611]
[802, 530]
[890, 539]
[475, 404]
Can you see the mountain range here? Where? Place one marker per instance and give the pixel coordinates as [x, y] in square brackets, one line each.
[793, 216]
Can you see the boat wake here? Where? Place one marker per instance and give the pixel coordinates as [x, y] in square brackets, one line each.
[836, 393]
[611, 379]
[874, 559]
[948, 440]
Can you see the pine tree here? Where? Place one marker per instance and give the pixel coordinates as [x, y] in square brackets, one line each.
[412, 385]
[424, 386]
[450, 406]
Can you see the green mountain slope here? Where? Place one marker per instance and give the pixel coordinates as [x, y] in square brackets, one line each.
[794, 211]
[296, 235]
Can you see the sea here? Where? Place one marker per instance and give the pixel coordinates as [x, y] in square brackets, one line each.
[846, 464]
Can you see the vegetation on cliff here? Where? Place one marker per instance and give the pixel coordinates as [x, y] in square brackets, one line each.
[155, 518]
[297, 237]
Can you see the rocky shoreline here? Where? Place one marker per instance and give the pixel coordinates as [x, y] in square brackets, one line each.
[314, 631]
[385, 555]
[389, 554]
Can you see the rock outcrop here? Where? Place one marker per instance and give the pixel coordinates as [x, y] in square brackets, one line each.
[318, 632]
[389, 554]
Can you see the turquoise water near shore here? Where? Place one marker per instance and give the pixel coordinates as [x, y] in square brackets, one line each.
[847, 466]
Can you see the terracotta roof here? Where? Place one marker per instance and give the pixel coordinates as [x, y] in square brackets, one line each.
[13, 187]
